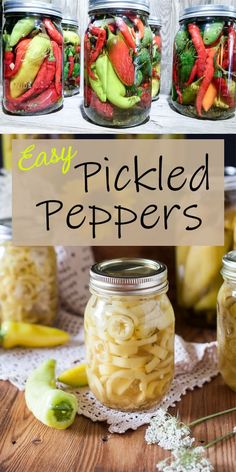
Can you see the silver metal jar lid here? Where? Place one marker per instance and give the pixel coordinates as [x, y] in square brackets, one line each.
[22, 6]
[199, 11]
[70, 22]
[141, 5]
[229, 266]
[230, 179]
[154, 21]
[6, 230]
[129, 276]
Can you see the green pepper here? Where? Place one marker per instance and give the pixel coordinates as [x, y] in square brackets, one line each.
[51, 406]
[148, 36]
[71, 37]
[21, 29]
[76, 70]
[138, 77]
[155, 87]
[115, 90]
[212, 32]
[181, 40]
[143, 61]
[187, 61]
[189, 93]
[66, 70]
[99, 85]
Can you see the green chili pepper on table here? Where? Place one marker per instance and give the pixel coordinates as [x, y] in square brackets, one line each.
[51, 406]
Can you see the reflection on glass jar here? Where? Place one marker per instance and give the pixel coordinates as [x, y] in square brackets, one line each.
[129, 333]
[118, 67]
[204, 67]
[155, 25]
[197, 267]
[226, 321]
[32, 58]
[71, 57]
[28, 281]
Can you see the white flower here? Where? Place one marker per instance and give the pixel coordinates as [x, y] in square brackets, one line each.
[186, 460]
[168, 432]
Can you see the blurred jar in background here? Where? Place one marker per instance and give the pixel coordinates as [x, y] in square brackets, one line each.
[198, 267]
[226, 321]
[28, 281]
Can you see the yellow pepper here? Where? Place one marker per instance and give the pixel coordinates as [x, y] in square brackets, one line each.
[36, 52]
[13, 334]
[75, 377]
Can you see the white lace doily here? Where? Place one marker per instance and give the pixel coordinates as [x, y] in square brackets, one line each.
[195, 365]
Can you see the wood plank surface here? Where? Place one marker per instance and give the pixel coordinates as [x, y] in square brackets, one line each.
[28, 446]
[163, 120]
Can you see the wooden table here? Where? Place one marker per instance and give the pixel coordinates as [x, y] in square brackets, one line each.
[163, 120]
[28, 446]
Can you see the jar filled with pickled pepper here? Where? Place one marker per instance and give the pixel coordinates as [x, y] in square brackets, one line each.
[155, 25]
[32, 58]
[118, 63]
[28, 281]
[71, 57]
[226, 321]
[204, 66]
[129, 333]
[198, 267]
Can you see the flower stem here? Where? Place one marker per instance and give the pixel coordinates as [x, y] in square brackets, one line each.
[214, 415]
[221, 438]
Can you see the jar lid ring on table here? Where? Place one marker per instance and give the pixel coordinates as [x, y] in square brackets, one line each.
[70, 22]
[229, 266]
[201, 11]
[154, 21]
[141, 5]
[21, 6]
[230, 178]
[129, 276]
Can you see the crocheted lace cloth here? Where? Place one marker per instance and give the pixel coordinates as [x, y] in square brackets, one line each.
[195, 364]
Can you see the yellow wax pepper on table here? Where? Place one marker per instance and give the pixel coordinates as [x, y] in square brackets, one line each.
[74, 377]
[17, 334]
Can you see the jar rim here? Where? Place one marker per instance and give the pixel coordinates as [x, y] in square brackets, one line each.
[230, 178]
[129, 276]
[70, 22]
[198, 11]
[154, 21]
[96, 5]
[22, 6]
[229, 266]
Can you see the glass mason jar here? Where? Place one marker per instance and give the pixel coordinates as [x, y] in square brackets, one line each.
[118, 63]
[71, 57]
[28, 281]
[204, 65]
[155, 25]
[129, 333]
[197, 267]
[226, 321]
[32, 58]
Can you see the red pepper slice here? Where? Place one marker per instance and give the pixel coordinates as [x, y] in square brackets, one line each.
[58, 57]
[52, 31]
[125, 33]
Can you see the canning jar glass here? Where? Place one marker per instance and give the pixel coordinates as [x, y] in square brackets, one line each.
[32, 58]
[204, 66]
[71, 57]
[155, 25]
[28, 281]
[129, 333]
[226, 321]
[197, 267]
[118, 63]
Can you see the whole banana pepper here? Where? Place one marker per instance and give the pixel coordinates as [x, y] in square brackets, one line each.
[36, 52]
[51, 406]
[21, 29]
[115, 90]
[18, 334]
